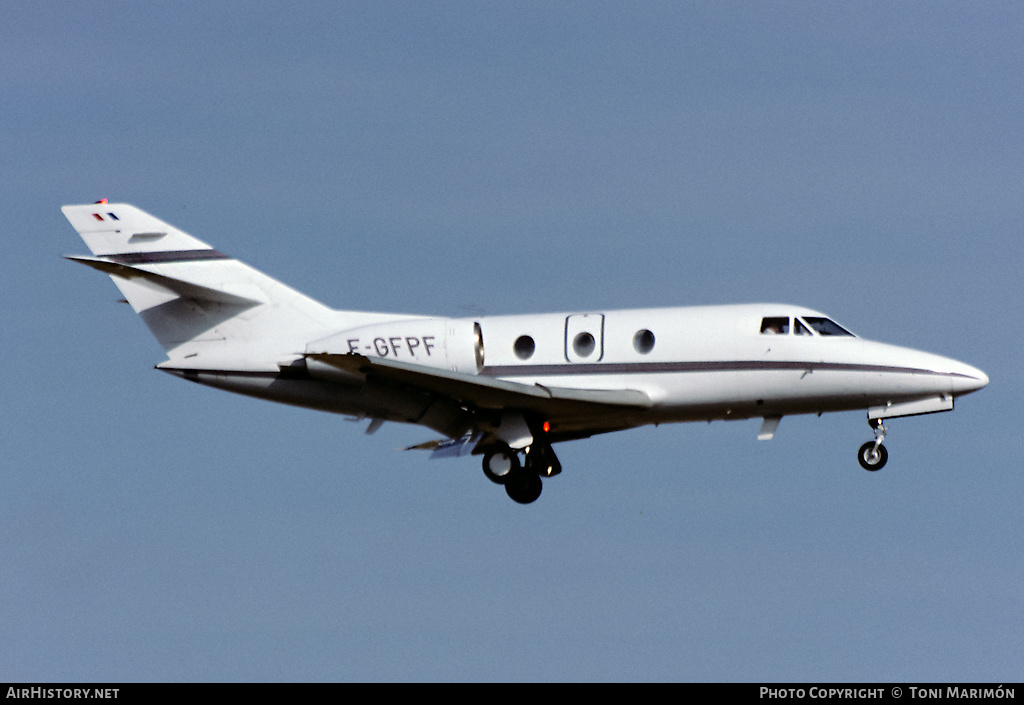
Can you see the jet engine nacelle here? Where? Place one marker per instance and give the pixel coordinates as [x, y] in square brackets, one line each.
[448, 343]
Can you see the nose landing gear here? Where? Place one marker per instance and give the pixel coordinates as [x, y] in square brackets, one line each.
[873, 455]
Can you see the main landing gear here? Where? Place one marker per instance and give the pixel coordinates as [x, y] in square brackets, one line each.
[873, 455]
[521, 480]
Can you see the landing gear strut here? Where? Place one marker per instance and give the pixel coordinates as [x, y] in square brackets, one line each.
[521, 480]
[873, 455]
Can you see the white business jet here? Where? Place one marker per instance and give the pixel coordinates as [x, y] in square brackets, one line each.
[504, 387]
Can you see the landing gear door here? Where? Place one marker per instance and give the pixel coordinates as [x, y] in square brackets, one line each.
[584, 337]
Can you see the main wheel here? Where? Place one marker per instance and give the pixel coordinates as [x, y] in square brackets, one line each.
[499, 465]
[524, 486]
[870, 459]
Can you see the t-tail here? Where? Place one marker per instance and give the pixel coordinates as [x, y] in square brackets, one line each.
[198, 302]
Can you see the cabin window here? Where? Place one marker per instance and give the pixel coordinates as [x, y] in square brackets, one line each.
[775, 326]
[824, 326]
[799, 328]
[524, 347]
[643, 341]
[584, 344]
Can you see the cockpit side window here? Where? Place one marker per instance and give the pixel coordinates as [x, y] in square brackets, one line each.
[799, 328]
[775, 326]
[825, 326]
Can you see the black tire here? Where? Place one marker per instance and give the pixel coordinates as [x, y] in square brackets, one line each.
[524, 487]
[872, 461]
[500, 465]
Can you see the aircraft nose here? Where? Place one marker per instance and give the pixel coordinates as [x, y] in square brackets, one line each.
[967, 379]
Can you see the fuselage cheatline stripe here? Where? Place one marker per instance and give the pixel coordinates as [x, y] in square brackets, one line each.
[710, 366]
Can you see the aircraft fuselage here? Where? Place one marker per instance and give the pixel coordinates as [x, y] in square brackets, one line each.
[698, 363]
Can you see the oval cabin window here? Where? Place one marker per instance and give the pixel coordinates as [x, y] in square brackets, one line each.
[524, 347]
[583, 344]
[643, 341]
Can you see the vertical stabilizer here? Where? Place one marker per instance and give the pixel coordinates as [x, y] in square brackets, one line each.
[197, 301]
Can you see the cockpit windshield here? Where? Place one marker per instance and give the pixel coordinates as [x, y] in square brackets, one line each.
[781, 325]
[825, 326]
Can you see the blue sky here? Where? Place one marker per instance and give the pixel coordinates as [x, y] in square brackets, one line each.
[458, 158]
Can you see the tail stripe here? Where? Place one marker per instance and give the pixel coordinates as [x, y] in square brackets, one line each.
[165, 257]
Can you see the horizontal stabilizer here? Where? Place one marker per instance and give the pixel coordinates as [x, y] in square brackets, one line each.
[179, 287]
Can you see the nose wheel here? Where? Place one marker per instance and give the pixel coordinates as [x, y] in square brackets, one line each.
[872, 455]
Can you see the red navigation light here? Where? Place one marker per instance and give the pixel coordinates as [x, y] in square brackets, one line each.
[102, 200]
[546, 427]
